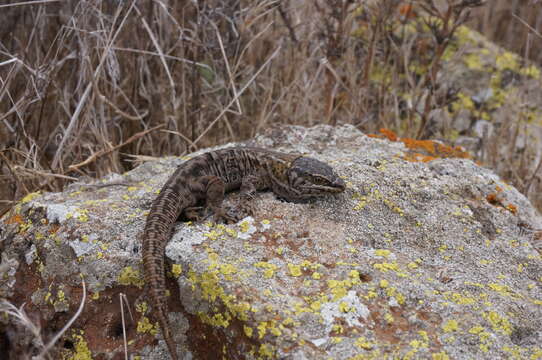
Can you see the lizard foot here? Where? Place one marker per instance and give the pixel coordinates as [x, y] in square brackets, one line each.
[241, 210]
[229, 215]
[221, 215]
[196, 213]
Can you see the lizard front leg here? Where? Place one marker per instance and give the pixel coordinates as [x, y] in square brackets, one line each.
[249, 186]
[211, 189]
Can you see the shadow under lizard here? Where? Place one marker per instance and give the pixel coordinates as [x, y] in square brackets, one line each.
[205, 178]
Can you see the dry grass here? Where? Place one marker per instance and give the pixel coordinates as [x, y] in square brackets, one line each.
[86, 84]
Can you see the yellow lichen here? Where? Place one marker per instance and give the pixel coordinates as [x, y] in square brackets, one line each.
[81, 350]
[473, 61]
[30, 197]
[129, 276]
[176, 270]
[248, 330]
[385, 267]
[460, 299]
[145, 326]
[440, 356]
[531, 71]
[216, 320]
[262, 329]
[363, 343]
[507, 61]
[295, 270]
[503, 289]
[498, 323]
[382, 252]
[142, 307]
[344, 307]
[266, 351]
[244, 226]
[269, 268]
[389, 318]
[450, 325]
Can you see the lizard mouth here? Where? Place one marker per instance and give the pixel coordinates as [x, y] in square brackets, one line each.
[335, 187]
[338, 186]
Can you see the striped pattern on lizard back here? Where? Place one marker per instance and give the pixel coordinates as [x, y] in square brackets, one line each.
[205, 178]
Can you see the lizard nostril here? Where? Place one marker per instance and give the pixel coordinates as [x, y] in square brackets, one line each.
[339, 183]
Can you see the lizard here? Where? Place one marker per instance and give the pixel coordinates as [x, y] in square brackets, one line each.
[205, 178]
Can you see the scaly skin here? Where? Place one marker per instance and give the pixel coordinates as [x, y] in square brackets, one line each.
[206, 178]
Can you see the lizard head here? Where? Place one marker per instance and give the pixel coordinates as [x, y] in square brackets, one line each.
[309, 178]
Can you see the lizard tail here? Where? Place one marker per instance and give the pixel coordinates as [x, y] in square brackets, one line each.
[164, 212]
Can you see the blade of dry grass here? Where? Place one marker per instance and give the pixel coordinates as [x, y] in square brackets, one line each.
[103, 152]
[34, 2]
[122, 300]
[227, 63]
[160, 53]
[241, 91]
[73, 120]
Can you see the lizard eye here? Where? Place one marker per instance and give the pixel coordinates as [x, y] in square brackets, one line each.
[319, 180]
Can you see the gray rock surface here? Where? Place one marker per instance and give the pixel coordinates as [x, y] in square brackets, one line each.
[436, 260]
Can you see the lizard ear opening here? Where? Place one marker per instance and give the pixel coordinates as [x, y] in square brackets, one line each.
[295, 177]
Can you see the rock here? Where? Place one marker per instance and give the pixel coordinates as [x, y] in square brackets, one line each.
[483, 128]
[471, 144]
[462, 121]
[437, 259]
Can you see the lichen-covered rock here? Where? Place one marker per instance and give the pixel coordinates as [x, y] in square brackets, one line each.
[428, 259]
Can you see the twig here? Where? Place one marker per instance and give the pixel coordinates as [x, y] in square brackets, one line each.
[226, 108]
[23, 169]
[190, 143]
[230, 75]
[122, 300]
[170, 57]
[527, 25]
[100, 186]
[530, 181]
[120, 112]
[100, 153]
[287, 22]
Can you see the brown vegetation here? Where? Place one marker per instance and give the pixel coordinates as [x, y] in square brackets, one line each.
[89, 87]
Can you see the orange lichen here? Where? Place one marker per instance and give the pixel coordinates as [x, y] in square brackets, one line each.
[512, 208]
[407, 11]
[436, 149]
[417, 157]
[15, 219]
[390, 135]
[424, 150]
[496, 200]
[492, 199]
